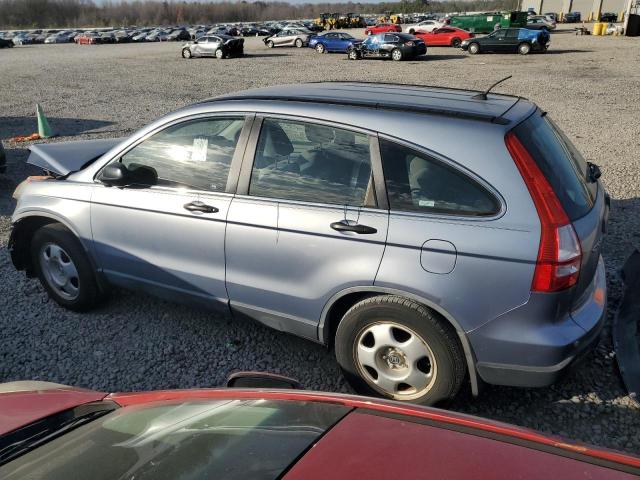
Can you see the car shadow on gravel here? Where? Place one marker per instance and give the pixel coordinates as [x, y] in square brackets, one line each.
[551, 51]
[429, 57]
[14, 126]
[264, 55]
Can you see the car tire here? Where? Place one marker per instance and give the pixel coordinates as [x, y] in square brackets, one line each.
[473, 48]
[396, 54]
[64, 269]
[353, 55]
[412, 31]
[320, 48]
[219, 54]
[269, 44]
[524, 48]
[298, 43]
[386, 343]
[455, 43]
[186, 53]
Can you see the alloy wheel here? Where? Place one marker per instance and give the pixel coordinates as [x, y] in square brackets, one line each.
[395, 360]
[59, 271]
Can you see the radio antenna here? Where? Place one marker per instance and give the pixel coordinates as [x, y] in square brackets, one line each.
[483, 95]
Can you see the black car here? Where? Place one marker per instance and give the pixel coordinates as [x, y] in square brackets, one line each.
[509, 40]
[264, 31]
[397, 46]
[572, 17]
[248, 31]
[5, 43]
[609, 17]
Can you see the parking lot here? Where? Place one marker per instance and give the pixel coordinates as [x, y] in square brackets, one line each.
[589, 85]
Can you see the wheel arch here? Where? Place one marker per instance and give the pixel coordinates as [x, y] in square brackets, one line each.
[342, 301]
[23, 229]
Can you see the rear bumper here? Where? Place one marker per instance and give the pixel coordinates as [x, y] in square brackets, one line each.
[525, 349]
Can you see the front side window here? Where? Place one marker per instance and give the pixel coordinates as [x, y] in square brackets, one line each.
[418, 182]
[390, 38]
[194, 155]
[312, 163]
[199, 439]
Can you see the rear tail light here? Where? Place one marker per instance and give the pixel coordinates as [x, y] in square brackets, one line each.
[559, 254]
[471, 35]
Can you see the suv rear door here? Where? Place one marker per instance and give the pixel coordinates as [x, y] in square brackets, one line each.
[304, 224]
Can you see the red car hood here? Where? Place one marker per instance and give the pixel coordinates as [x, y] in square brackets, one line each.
[22, 403]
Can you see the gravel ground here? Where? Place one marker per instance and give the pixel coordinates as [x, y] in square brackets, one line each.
[590, 85]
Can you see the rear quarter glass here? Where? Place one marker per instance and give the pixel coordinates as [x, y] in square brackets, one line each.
[560, 162]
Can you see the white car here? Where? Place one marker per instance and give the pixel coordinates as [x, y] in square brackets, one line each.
[426, 26]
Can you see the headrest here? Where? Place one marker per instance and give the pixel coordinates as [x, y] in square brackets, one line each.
[275, 140]
[344, 137]
[318, 133]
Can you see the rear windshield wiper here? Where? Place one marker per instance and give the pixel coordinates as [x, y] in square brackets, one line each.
[25, 439]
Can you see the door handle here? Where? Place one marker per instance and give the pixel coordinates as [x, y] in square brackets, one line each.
[197, 206]
[343, 226]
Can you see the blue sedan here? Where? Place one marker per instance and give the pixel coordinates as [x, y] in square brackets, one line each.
[333, 42]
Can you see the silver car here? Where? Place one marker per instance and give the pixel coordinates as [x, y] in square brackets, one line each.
[289, 38]
[219, 46]
[428, 235]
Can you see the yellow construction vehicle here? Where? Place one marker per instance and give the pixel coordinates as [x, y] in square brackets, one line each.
[327, 21]
[356, 21]
[321, 21]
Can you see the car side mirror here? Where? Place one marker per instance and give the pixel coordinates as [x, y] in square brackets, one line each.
[114, 174]
[261, 380]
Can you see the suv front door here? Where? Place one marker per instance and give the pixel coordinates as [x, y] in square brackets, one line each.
[164, 231]
[305, 223]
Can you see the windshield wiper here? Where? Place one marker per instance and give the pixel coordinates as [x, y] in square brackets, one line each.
[25, 439]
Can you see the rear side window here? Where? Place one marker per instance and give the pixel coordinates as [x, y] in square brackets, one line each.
[417, 182]
[560, 162]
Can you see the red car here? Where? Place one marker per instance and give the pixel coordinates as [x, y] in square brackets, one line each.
[87, 39]
[382, 28]
[55, 432]
[445, 36]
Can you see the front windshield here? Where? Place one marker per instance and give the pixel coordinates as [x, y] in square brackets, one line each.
[221, 439]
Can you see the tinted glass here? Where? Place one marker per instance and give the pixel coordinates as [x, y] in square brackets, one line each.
[390, 38]
[560, 162]
[195, 155]
[219, 439]
[312, 163]
[511, 33]
[417, 182]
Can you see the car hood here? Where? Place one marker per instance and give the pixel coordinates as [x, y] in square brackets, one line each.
[67, 157]
[22, 403]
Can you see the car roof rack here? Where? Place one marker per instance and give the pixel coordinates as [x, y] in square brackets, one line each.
[420, 103]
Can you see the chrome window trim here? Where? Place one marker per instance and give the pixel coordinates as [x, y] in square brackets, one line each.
[251, 150]
[457, 167]
[247, 118]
